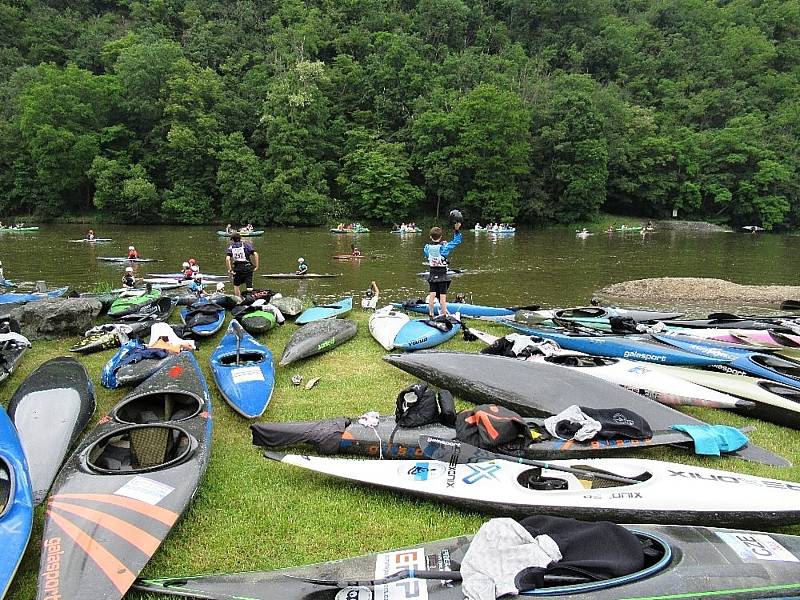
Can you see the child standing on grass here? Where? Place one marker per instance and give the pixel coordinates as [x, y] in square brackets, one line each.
[436, 253]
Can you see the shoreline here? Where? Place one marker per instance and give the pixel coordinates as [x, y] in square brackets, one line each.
[699, 289]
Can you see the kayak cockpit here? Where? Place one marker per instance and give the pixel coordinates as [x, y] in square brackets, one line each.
[244, 359]
[158, 407]
[534, 479]
[577, 360]
[6, 487]
[140, 448]
[788, 368]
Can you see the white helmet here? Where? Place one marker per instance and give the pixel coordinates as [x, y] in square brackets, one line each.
[301, 259]
[220, 286]
[131, 248]
[197, 275]
[185, 265]
[195, 268]
[129, 269]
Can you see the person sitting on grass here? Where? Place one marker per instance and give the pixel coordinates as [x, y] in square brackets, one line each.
[436, 253]
[302, 267]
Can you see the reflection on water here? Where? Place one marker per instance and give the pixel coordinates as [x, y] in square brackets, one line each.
[545, 267]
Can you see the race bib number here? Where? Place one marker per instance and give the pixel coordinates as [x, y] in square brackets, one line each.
[238, 254]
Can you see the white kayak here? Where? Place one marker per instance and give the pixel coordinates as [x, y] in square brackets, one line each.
[666, 493]
[384, 324]
[651, 380]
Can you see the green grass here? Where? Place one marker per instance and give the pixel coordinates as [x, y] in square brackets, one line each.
[254, 514]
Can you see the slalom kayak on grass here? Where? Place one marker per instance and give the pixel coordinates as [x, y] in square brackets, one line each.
[326, 311]
[419, 334]
[203, 318]
[385, 323]
[317, 337]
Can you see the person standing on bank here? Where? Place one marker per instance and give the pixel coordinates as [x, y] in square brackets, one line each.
[436, 253]
[242, 262]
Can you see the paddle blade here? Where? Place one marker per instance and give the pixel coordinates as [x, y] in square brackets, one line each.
[237, 329]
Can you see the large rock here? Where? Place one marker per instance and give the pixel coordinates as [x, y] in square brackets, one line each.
[55, 317]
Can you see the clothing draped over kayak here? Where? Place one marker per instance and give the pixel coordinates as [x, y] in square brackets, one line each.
[324, 436]
[582, 423]
[202, 314]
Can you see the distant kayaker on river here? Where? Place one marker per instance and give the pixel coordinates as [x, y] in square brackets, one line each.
[132, 252]
[242, 262]
[302, 267]
[436, 253]
[354, 251]
[90, 235]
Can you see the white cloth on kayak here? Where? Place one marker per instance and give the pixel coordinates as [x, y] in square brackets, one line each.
[521, 343]
[498, 552]
[14, 337]
[160, 330]
[371, 420]
[279, 318]
[589, 427]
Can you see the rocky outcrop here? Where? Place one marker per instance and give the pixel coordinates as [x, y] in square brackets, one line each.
[55, 317]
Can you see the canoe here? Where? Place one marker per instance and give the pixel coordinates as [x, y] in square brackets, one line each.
[358, 230]
[254, 233]
[128, 304]
[463, 308]
[124, 259]
[296, 276]
[126, 485]
[317, 337]
[617, 346]
[50, 409]
[738, 564]
[385, 323]
[288, 305]
[666, 492]
[257, 321]
[16, 502]
[405, 231]
[12, 349]
[343, 435]
[94, 241]
[485, 230]
[539, 389]
[204, 329]
[740, 360]
[247, 385]
[105, 340]
[326, 311]
[32, 297]
[420, 334]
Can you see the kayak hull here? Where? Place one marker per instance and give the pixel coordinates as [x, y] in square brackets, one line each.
[317, 337]
[326, 311]
[385, 323]
[462, 308]
[417, 335]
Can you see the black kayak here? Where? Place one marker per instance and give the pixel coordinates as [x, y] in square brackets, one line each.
[109, 337]
[126, 485]
[135, 373]
[50, 409]
[535, 389]
[679, 562]
[316, 337]
[343, 435]
[159, 310]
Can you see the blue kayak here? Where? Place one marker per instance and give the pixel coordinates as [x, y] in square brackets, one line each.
[740, 359]
[463, 308]
[417, 334]
[619, 346]
[32, 297]
[189, 316]
[326, 311]
[246, 385]
[16, 502]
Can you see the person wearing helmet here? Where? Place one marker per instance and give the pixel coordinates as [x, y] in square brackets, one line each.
[192, 262]
[196, 285]
[90, 235]
[220, 287]
[354, 251]
[186, 269]
[436, 253]
[242, 261]
[128, 280]
[132, 252]
[302, 267]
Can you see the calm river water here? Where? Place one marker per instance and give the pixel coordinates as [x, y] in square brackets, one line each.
[546, 267]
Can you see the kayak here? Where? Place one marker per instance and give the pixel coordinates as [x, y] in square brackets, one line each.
[450, 272]
[111, 335]
[304, 276]
[50, 409]
[404, 231]
[419, 334]
[739, 360]
[385, 323]
[738, 564]
[16, 502]
[133, 303]
[243, 372]
[591, 316]
[666, 492]
[618, 346]
[351, 257]
[539, 389]
[126, 485]
[485, 230]
[326, 311]
[357, 230]
[18, 229]
[254, 233]
[386, 440]
[463, 308]
[156, 277]
[158, 310]
[317, 337]
[257, 321]
[32, 297]
[288, 305]
[124, 259]
[94, 241]
[203, 318]
[12, 347]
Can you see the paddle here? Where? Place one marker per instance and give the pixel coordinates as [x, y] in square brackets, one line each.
[455, 451]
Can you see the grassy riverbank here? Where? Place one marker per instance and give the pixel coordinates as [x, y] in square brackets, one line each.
[252, 514]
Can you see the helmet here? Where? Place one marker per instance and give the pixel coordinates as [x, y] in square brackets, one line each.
[301, 259]
[131, 248]
[456, 216]
[129, 269]
[198, 276]
[192, 261]
[185, 265]
[195, 268]
[220, 286]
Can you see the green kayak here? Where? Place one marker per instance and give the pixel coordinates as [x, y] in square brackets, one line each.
[125, 305]
[254, 233]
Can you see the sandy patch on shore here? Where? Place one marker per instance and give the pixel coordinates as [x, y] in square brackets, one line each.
[695, 289]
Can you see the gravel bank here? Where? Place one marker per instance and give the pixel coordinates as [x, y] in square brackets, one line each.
[698, 289]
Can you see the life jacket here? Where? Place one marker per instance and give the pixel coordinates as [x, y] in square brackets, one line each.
[133, 254]
[435, 257]
[239, 252]
[129, 280]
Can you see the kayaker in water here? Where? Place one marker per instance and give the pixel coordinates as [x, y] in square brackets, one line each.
[90, 234]
[302, 267]
[132, 252]
[128, 280]
[436, 253]
[186, 270]
[354, 251]
[229, 229]
[242, 261]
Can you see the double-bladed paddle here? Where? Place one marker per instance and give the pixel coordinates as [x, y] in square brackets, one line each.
[458, 452]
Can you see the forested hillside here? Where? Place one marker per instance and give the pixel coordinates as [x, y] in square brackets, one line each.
[292, 112]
